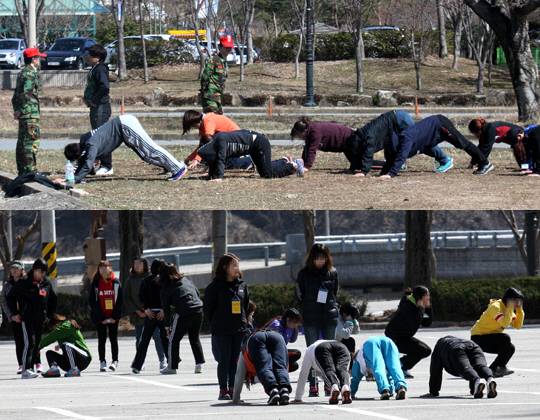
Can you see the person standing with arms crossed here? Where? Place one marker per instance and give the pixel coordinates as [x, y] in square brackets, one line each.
[214, 77]
[26, 110]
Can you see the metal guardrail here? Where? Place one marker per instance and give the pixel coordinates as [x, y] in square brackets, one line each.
[202, 254]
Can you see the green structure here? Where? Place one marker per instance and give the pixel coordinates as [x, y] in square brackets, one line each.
[74, 10]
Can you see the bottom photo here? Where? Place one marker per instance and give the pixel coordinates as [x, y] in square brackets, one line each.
[274, 314]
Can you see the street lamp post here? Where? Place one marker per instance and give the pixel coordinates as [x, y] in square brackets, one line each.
[310, 54]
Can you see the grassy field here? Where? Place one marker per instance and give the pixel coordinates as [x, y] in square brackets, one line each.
[136, 185]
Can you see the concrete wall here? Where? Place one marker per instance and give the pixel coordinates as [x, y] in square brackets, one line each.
[49, 78]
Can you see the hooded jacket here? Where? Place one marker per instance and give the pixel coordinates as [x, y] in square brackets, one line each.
[218, 298]
[183, 296]
[407, 319]
[35, 302]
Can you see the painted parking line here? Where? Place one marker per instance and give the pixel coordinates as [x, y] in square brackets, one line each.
[362, 412]
[524, 370]
[455, 404]
[211, 414]
[157, 383]
[67, 413]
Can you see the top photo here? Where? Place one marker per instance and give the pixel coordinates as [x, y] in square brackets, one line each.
[269, 104]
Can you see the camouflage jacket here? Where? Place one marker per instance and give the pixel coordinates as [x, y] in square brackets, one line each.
[214, 75]
[26, 97]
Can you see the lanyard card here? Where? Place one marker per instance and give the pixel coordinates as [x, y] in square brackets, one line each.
[236, 307]
[108, 304]
[322, 296]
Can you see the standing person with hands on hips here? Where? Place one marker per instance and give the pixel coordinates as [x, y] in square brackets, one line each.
[414, 310]
[105, 301]
[316, 290]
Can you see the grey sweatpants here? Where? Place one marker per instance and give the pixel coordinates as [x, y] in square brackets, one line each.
[138, 140]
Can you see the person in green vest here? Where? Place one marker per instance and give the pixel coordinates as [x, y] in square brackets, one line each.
[214, 76]
[71, 354]
[26, 110]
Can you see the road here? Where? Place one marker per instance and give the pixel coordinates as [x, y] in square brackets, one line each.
[150, 395]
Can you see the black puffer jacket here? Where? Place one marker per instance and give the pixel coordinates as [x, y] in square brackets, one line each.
[35, 302]
[183, 296]
[218, 298]
[308, 284]
[407, 319]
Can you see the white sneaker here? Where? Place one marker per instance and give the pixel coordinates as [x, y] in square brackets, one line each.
[113, 366]
[19, 370]
[198, 368]
[103, 366]
[162, 365]
[103, 171]
[29, 374]
[168, 371]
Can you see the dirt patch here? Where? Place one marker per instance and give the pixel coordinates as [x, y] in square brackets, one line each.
[137, 185]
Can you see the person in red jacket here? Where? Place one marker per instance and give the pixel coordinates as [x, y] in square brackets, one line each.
[105, 300]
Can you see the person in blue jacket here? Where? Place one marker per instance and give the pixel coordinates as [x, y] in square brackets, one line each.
[422, 138]
[379, 356]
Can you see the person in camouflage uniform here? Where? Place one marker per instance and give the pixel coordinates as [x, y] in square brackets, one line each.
[214, 76]
[26, 109]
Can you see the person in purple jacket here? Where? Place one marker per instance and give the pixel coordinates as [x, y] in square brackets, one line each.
[422, 137]
[287, 325]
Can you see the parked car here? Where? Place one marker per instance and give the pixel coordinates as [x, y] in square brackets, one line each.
[68, 53]
[112, 47]
[11, 52]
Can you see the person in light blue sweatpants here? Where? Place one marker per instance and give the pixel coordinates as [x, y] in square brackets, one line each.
[379, 356]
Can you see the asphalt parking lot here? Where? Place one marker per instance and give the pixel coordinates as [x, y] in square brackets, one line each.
[122, 395]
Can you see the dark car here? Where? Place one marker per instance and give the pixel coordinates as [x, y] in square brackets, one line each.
[68, 53]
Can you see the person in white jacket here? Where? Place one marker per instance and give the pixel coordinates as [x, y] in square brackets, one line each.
[330, 360]
[348, 326]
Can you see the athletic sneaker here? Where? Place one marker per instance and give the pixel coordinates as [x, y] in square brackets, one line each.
[484, 169]
[29, 374]
[104, 171]
[113, 366]
[198, 368]
[273, 398]
[177, 176]
[479, 387]
[401, 393]
[53, 372]
[72, 373]
[445, 167]
[103, 366]
[168, 371]
[346, 395]
[334, 395]
[284, 396]
[135, 371]
[19, 370]
[314, 391]
[162, 365]
[385, 395]
[38, 368]
[501, 371]
[407, 374]
[299, 167]
[224, 395]
[492, 388]
[327, 391]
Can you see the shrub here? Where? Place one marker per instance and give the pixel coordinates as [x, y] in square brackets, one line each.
[158, 52]
[465, 300]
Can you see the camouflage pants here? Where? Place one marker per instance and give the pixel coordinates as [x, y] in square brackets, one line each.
[27, 146]
[212, 103]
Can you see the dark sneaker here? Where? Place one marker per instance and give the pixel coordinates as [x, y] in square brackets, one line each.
[224, 395]
[334, 395]
[274, 397]
[501, 371]
[177, 176]
[346, 395]
[385, 395]
[479, 387]
[72, 373]
[284, 396]
[231, 392]
[401, 393]
[492, 388]
[484, 169]
[53, 372]
[327, 391]
[407, 374]
[314, 391]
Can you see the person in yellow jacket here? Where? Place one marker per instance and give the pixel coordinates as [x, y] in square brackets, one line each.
[488, 330]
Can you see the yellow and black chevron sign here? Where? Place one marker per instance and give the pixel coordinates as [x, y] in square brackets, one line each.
[48, 252]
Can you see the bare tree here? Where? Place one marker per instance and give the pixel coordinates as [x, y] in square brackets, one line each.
[22, 13]
[480, 38]
[131, 231]
[509, 21]
[309, 228]
[420, 263]
[241, 13]
[118, 12]
[300, 13]
[194, 14]
[443, 46]
[219, 235]
[455, 10]
[520, 235]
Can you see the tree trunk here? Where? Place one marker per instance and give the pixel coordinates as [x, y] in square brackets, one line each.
[249, 32]
[458, 31]
[219, 235]
[122, 68]
[309, 228]
[297, 56]
[443, 46]
[274, 20]
[419, 257]
[143, 43]
[480, 78]
[418, 75]
[131, 230]
[359, 61]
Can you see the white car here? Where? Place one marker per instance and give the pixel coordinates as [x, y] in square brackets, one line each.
[111, 47]
[11, 53]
